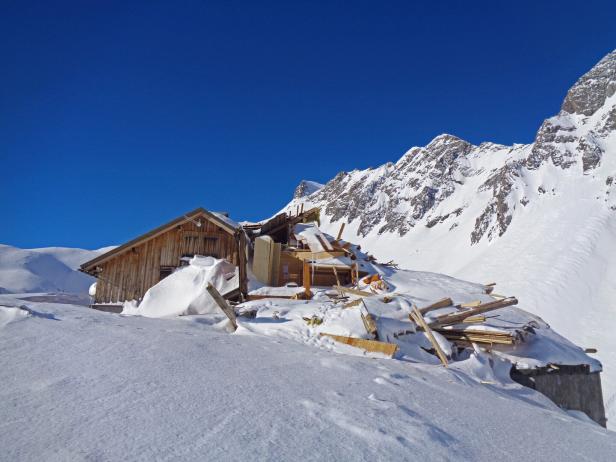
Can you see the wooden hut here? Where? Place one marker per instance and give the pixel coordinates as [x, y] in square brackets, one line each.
[128, 271]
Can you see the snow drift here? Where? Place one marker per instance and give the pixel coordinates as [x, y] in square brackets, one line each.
[51, 269]
[184, 291]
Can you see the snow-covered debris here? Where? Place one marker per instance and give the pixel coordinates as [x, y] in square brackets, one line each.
[184, 291]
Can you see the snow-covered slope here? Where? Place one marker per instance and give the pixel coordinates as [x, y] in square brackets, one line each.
[538, 219]
[81, 384]
[51, 269]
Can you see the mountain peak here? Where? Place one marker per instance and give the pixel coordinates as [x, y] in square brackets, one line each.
[446, 138]
[591, 90]
[306, 188]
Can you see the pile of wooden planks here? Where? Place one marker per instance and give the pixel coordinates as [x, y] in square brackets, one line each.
[479, 336]
[460, 316]
[468, 313]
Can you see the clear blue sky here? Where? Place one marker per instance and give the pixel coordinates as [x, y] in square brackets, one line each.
[118, 116]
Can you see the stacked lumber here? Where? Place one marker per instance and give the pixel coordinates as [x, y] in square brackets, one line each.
[479, 336]
[460, 316]
[471, 314]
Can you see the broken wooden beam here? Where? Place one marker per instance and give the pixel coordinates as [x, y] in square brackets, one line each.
[222, 303]
[419, 319]
[373, 346]
[339, 235]
[348, 290]
[454, 318]
[442, 303]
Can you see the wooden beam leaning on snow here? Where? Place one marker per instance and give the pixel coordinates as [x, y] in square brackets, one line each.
[442, 303]
[222, 303]
[455, 318]
[360, 293]
[372, 346]
[420, 321]
[370, 325]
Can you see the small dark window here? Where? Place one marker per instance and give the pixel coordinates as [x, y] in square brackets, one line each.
[165, 271]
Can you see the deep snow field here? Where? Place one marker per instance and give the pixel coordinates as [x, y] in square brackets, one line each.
[79, 384]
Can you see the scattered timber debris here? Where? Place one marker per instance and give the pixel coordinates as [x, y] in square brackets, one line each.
[313, 321]
[454, 318]
[372, 346]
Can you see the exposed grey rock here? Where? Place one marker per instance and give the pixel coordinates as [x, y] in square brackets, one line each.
[306, 188]
[593, 88]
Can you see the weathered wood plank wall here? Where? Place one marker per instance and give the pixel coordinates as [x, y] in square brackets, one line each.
[129, 275]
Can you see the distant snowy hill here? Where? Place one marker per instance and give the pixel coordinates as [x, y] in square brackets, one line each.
[51, 269]
[538, 219]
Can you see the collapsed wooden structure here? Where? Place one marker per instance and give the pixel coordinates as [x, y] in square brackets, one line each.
[291, 250]
[128, 271]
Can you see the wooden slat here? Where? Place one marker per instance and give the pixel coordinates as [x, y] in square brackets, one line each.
[372, 346]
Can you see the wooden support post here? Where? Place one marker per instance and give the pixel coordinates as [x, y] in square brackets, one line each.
[306, 278]
[242, 262]
[419, 319]
[339, 236]
[222, 303]
[442, 303]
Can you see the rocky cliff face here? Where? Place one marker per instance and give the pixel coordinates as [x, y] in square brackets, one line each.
[451, 181]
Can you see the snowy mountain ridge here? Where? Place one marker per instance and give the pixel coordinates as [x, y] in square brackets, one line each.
[435, 185]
